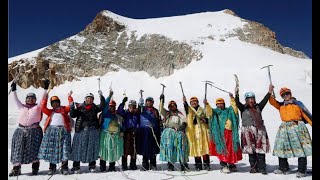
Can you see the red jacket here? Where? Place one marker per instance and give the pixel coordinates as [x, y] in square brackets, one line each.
[64, 110]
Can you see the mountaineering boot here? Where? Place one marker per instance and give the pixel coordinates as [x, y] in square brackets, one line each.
[76, 167]
[112, 166]
[35, 167]
[262, 163]
[103, 166]
[170, 166]
[16, 171]
[64, 168]
[232, 168]
[133, 165]
[52, 169]
[124, 163]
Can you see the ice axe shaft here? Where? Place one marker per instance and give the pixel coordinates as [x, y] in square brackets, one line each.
[205, 87]
[181, 88]
[269, 75]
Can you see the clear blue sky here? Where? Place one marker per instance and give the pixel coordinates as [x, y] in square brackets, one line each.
[34, 24]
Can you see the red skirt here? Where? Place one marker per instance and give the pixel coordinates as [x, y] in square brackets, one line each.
[231, 156]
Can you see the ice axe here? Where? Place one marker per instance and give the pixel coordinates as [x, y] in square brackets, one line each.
[269, 74]
[99, 83]
[141, 91]
[163, 86]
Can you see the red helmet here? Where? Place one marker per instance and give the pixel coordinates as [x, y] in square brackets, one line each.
[112, 103]
[54, 98]
[284, 90]
[172, 103]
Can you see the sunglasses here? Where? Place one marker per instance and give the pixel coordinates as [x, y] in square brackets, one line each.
[286, 94]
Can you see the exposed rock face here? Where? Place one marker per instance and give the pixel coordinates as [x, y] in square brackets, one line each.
[106, 45]
[257, 33]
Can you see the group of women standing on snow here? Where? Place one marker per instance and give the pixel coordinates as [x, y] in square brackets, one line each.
[199, 133]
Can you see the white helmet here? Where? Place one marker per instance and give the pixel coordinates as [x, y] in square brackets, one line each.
[90, 95]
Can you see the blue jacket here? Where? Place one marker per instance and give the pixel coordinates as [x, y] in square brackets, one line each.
[131, 120]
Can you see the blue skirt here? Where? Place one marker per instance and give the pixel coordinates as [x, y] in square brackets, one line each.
[56, 145]
[85, 145]
[174, 146]
[25, 145]
[146, 142]
[292, 140]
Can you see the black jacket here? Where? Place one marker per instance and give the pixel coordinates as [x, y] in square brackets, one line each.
[87, 117]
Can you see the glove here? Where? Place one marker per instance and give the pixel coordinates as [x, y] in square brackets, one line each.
[195, 121]
[141, 101]
[204, 120]
[125, 99]
[46, 83]
[100, 93]
[13, 86]
[121, 134]
[110, 93]
[182, 127]
[72, 105]
[162, 97]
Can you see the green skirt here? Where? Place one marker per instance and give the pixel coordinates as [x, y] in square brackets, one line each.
[111, 146]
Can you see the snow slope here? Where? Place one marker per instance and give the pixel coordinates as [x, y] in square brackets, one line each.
[220, 61]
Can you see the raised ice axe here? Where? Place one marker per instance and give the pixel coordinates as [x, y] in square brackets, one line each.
[269, 74]
[141, 91]
[163, 86]
[99, 83]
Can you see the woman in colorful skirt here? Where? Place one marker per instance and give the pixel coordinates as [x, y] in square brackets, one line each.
[293, 138]
[174, 143]
[27, 137]
[198, 133]
[56, 142]
[111, 135]
[254, 137]
[224, 133]
[85, 144]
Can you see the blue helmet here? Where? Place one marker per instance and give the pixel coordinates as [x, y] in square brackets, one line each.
[249, 95]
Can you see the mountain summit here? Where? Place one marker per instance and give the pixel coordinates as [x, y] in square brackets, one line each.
[157, 46]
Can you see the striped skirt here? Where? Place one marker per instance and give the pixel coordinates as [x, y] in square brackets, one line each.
[292, 140]
[56, 145]
[85, 145]
[174, 146]
[254, 140]
[111, 146]
[25, 145]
